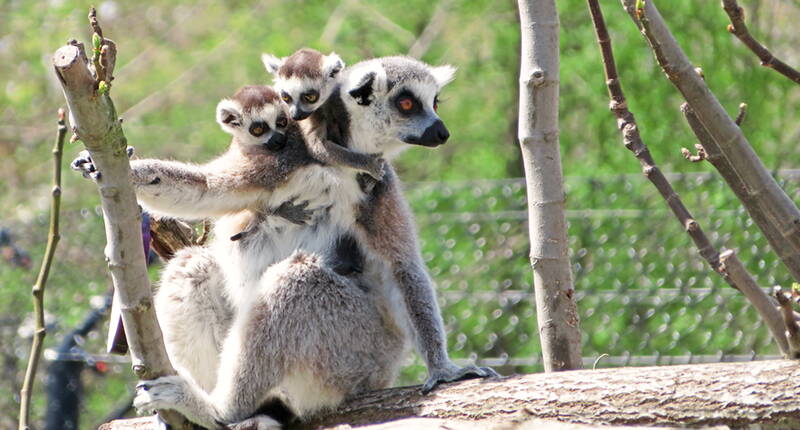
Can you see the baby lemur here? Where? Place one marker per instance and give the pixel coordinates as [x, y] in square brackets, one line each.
[305, 81]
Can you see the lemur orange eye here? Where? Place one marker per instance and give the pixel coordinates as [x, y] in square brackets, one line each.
[405, 104]
[286, 97]
[311, 97]
[258, 128]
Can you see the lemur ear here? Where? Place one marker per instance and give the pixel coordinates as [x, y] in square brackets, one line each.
[332, 65]
[443, 75]
[271, 62]
[229, 115]
[365, 83]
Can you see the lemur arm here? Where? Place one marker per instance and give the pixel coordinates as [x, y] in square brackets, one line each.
[336, 155]
[190, 191]
[387, 222]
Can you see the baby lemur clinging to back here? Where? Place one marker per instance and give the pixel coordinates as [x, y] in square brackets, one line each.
[306, 80]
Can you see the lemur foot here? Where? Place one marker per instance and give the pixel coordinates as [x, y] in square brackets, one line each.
[83, 163]
[296, 214]
[456, 374]
[259, 422]
[166, 392]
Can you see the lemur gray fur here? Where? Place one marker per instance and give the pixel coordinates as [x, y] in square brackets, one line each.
[305, 81]
[298, 330]
[242, 304]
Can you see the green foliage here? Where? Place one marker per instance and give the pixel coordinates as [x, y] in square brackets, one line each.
[176, 61]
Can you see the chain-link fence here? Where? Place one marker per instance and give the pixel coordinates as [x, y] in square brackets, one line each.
[644, 294]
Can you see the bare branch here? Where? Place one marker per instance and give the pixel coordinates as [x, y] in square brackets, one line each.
[556, 311]
[741, 115]
[714, 154]
[738, 28]
[769, 206]
[727, 264]
[37, 291]
[95, 121]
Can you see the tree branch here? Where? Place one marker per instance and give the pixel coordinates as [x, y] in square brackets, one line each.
[37, 291]
[727, 264]
[94, 121]
[556, 312]
[769, 206]
[739, 395]
[738, 28]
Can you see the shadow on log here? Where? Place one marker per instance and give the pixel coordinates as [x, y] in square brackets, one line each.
[762, 393]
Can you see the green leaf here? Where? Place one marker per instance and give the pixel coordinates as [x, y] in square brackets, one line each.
[96, 42]
[103, 87]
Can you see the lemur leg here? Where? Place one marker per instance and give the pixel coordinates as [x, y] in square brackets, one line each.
[193, 313]
[314, 338]
[385, 223]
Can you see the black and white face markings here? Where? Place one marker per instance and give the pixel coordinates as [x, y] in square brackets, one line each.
[255, 116]
[305, 79]
[398, 97]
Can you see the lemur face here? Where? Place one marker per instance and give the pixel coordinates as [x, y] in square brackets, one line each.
[255, 116]
[397, 98]
[304, 80]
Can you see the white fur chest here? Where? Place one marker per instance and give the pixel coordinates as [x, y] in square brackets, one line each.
[332, 195]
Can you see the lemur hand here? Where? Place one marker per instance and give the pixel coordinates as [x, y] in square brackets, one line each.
[454, 373]
[376, 167]
[83, 163]
[296, 214]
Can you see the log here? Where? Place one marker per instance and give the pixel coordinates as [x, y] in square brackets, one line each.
[759, 393]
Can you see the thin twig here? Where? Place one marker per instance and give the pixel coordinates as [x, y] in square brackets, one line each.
[701, 153]
[792, 328]
[738, 28]
[742, 112]
[727, 264]
[37, 291]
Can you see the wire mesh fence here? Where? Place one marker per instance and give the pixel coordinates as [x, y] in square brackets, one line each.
[644, 294]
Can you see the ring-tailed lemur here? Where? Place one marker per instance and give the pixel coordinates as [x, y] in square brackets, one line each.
[305, 81]
[390, 102]
[304, 333]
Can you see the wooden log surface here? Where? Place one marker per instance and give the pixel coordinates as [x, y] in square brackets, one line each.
[736, 395]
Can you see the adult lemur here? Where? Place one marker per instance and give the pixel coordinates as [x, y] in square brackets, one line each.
[297, 330]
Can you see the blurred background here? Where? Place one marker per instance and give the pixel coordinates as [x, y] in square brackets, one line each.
[645, 296]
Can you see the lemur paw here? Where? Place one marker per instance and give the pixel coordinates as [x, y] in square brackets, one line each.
[456, 374]
[296, 214]
[258, 422]
[84, 164]
[376, 168]
[166, 392]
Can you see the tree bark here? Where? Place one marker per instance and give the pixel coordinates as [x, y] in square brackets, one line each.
[764, 393]
[94, 120]
[556, 312]
[769, 206]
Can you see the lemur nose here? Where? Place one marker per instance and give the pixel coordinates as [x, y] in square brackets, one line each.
[443, 134]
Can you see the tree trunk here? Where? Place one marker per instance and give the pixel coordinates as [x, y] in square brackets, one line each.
[763, 393]
[556, 311]
[95, 122]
